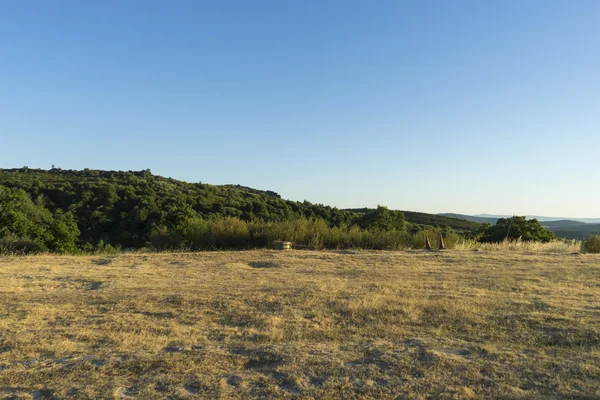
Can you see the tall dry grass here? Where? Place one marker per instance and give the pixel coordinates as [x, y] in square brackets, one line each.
[556, 246]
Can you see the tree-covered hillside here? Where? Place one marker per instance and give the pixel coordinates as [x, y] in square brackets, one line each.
[128, 208]
[69, 211]
[434, 220]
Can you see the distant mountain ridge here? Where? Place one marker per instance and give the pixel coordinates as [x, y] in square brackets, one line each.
[563, 223]
[575, 228]
[541, 218]
[473, 218]
[435, 220]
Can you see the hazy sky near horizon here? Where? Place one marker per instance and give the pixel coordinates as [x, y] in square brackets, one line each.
[435, 106]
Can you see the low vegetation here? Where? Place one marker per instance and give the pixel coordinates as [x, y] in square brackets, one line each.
[592, 245]
[322, 325]
[102, 211]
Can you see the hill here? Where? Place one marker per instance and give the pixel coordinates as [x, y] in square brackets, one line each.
[565, 229]
[128, 207]
[134, 209]
[473, 218]
[434, 220]
[582, 231]
[563, 223]
[569, 229]
[542, 218]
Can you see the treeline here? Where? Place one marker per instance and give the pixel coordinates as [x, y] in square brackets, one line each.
[90, 210]
[130, 208]
[64, 210]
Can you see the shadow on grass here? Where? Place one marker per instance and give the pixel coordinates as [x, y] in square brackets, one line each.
[263, 264]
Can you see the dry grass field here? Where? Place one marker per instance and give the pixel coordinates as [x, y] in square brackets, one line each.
[301, 324]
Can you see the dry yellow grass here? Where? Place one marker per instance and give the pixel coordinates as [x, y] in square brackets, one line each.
[556, 246]
[323, 325]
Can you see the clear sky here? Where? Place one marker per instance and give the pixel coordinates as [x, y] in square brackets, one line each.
[435, 106]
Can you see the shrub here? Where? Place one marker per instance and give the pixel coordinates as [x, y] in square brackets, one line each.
[197, 234]
[230, 233]
[13, 245]
[592, 245]
[102, 248]
[165, 239]
[417, 240]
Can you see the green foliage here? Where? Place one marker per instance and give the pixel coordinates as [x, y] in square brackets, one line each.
[104, 249]
[22, 218]
[230, 233]
[15, 245]
[27, 226]
[417, 220]
[64, 232]
[517, 228]
[233, 233]
[138, 209]
[579, 231]
[383, 219]
[103, 211]
[481, 231]
[451, 238]
[592, 245]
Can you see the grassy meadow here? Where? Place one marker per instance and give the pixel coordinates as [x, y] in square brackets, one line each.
[301, 324]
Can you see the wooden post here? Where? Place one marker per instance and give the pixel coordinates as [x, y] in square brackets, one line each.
[442, 246]
[427, 243]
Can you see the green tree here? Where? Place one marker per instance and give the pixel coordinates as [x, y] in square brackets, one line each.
[383, 219]
[517, 228]
[22, 218]
[64, 231]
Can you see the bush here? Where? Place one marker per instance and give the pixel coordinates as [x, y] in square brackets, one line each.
[11, 245]
[164, 239]
[417, 240]
[197, 234]
[102, 248]
[231, 233]
[592, 245]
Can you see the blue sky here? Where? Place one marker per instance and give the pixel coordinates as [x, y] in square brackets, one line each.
[435, 106]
